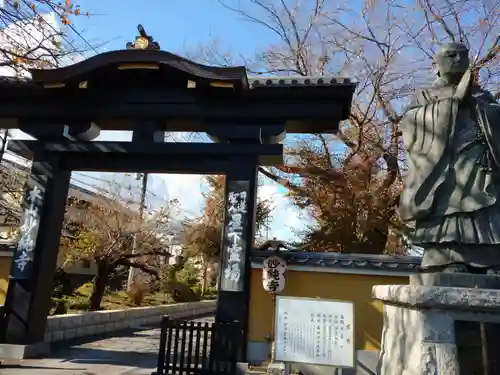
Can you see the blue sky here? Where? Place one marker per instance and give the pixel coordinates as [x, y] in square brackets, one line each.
[179, 28]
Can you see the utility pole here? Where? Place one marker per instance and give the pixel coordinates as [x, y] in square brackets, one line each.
[3, 176]
[133, 272]
[4, 139]
[267, 229]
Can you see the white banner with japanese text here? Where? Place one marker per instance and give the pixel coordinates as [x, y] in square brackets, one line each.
[234, 238]
[23, 255]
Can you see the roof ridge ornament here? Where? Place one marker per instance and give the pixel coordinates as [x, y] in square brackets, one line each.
[143, 41]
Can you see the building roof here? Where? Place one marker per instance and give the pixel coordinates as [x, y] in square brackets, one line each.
[298, 81]
[253, 83]
[388, 263]
[273, 245]
[87, 89]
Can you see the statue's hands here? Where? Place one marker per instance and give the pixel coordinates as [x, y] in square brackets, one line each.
[464, 86]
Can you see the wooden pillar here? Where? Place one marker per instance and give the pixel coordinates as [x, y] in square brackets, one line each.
[148, 131]
[237, 243]
[34, 262]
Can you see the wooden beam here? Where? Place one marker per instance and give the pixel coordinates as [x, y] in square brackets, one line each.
[152, 164]
[225, 85]
[204, 158]
[135, 66]
[54, 85]
[49, 111]
[167, 148]
[309, 109]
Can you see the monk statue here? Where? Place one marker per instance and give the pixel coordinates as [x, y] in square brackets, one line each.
[451, 136]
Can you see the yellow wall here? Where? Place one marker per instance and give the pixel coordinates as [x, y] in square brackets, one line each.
[347, 287]
[5, 263]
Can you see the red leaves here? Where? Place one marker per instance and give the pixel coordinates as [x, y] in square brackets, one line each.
[353, 198]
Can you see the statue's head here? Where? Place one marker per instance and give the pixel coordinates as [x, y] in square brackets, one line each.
[452, 59]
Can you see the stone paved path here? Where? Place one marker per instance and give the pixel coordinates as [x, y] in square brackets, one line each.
[132, 354]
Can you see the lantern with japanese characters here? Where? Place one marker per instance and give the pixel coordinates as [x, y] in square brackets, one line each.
[273, 275]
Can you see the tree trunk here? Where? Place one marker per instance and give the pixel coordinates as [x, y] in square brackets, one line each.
[100, 284]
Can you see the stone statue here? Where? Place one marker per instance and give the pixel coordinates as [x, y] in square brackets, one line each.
[451, 136]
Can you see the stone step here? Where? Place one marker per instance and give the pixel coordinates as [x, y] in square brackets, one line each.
[257, 370]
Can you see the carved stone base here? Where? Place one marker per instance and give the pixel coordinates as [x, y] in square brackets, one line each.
[419, 325]
[480, 256]
[462, 280]
[278, 368]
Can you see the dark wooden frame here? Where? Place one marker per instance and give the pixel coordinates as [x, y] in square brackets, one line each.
[149, 92]
[209, 348]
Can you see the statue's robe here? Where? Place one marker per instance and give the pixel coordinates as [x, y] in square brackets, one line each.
[452, 187]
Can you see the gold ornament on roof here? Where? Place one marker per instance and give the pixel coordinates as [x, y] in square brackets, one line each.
[143, 41]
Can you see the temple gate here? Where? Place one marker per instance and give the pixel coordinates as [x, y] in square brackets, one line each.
[149, 92]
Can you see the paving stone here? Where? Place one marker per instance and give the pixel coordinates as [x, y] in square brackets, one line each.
[133, 354]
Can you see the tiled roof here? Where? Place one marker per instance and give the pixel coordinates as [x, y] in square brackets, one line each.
[254, 82]
[299, 81]
[273, 244]
[387, 263]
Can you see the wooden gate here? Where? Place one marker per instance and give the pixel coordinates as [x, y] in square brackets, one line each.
[199, 348]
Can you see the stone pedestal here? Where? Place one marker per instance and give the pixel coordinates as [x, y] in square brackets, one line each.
[419, 321]
[278, 368]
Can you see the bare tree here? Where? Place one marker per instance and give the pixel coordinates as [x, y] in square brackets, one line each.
[34, 34]
[387, 46]
[12, 183]
[39, 33]
[103, 231]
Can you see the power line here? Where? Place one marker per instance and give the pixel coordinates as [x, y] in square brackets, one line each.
[104, 190]
[97, 189]
[124, 185]
[92, 177]
[76, 32]
[61, 34]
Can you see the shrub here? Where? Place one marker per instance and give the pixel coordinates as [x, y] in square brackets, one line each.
[183, 293]
[62, 291]
[59, 306]
[210, 293]
[154, 286]
[196, 289]
[137, 293]
[85, 290]
[79, 305]
[62, 284]
[188, 275]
